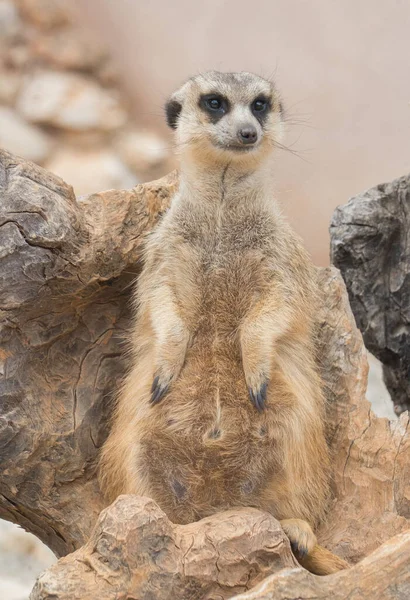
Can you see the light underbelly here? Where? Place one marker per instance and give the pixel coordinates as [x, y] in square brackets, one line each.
[206, 447]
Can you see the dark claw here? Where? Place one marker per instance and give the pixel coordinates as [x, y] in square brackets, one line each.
[258, 398]
[154, 384]
[300, 551]
[158, 390]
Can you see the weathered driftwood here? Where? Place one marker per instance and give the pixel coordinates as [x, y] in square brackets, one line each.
[371, 456]
[384, 575]
[66, 268]
[135, 550]
[65, 275]
[371, 247]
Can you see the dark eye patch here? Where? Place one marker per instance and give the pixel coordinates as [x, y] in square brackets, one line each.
[260, 108]
[215, 106]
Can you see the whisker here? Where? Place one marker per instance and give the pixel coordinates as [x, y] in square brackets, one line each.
[289, 149]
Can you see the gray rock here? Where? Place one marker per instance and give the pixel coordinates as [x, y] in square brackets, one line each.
[370, 244]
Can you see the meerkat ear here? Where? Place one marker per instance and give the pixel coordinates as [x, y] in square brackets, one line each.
[172, 111]
[174, 105]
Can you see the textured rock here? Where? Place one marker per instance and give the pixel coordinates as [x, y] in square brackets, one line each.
[65, 274]
[69, 101]
[370, 455]
[371, 247]
[384, 575]
[136, 552]
[22, 138]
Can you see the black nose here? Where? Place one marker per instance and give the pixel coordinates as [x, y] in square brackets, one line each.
[247, 135]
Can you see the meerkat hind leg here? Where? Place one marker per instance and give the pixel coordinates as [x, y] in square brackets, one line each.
[300, 534]
[309, 554]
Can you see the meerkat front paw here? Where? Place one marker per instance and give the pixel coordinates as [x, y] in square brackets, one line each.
[300, 534]
[170, 359]
[257, 391]
[159, 388]
[165, 375]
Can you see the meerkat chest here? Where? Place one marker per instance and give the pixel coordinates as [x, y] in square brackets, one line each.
[224, 263]
[226, 234]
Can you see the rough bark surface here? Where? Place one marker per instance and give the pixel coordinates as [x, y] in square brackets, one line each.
[384, 575]
[66, 269]
[371, 246]
[136, 552]
[370, 455]
[65, 275]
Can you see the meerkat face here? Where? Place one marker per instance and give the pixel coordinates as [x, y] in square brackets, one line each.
[226, 117]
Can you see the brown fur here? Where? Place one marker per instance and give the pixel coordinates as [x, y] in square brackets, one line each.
[225, 304]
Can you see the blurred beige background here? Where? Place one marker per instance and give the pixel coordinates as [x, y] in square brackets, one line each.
[343, 69]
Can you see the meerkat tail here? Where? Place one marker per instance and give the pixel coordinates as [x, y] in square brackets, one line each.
[320, 561]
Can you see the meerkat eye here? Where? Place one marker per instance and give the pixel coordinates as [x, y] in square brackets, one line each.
[214, 103]
[259, 105]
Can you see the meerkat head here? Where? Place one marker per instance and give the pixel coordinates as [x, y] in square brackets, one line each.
[226, 117]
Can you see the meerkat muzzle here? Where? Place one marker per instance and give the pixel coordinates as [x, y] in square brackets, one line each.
[247, 135]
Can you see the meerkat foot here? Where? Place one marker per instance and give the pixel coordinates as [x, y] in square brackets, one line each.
[258, 395]
[309, 554]
[301, 537]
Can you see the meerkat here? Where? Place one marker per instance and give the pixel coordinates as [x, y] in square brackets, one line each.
[223, 405]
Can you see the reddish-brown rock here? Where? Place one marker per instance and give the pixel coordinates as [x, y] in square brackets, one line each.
[136, 552]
